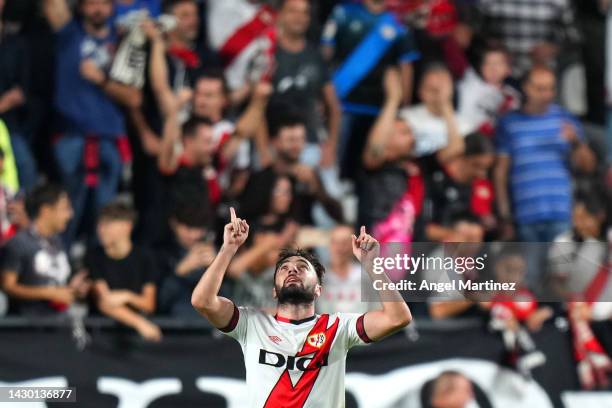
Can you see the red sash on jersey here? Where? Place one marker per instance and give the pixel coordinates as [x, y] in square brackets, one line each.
[246, 34]
[284, 393]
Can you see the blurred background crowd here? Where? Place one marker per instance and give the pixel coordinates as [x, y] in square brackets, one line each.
[129, 127]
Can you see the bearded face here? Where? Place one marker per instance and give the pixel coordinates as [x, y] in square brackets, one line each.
[295, 294]
[296, 282]
[96, 12]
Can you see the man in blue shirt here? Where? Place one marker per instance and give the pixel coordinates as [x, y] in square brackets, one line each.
[535, 147]
[87, 105]
[362, 41]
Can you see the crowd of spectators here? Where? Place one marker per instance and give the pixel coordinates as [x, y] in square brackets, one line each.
[129, 127]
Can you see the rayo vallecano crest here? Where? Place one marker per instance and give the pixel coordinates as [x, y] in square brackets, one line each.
[316, 340]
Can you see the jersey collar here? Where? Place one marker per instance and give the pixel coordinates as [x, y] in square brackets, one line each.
[293, 321]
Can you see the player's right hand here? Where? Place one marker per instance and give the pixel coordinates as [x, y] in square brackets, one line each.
[236, 232]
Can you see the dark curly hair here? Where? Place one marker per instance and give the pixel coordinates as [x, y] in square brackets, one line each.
[289, 252]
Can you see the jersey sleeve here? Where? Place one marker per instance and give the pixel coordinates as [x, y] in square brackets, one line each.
[238, 324]
[355, 331]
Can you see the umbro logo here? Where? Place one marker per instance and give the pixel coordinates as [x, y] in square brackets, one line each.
[275, 339]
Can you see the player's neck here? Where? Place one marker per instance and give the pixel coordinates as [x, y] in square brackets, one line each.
[295, 312]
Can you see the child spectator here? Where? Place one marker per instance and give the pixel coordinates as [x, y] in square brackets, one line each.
[484, 95]
[124, 275]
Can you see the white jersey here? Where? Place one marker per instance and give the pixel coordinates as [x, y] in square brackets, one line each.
[295, 364]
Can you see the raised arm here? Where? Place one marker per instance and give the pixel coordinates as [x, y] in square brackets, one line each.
[334, 117]
[407, 73]
[167, 160]
[205, 298]
[158, 69]
[248, 124]
[456, 144]
[57, 13]
[374, 154]
[395, 313]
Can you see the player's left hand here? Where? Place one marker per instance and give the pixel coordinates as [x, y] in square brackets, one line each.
[365, 247]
